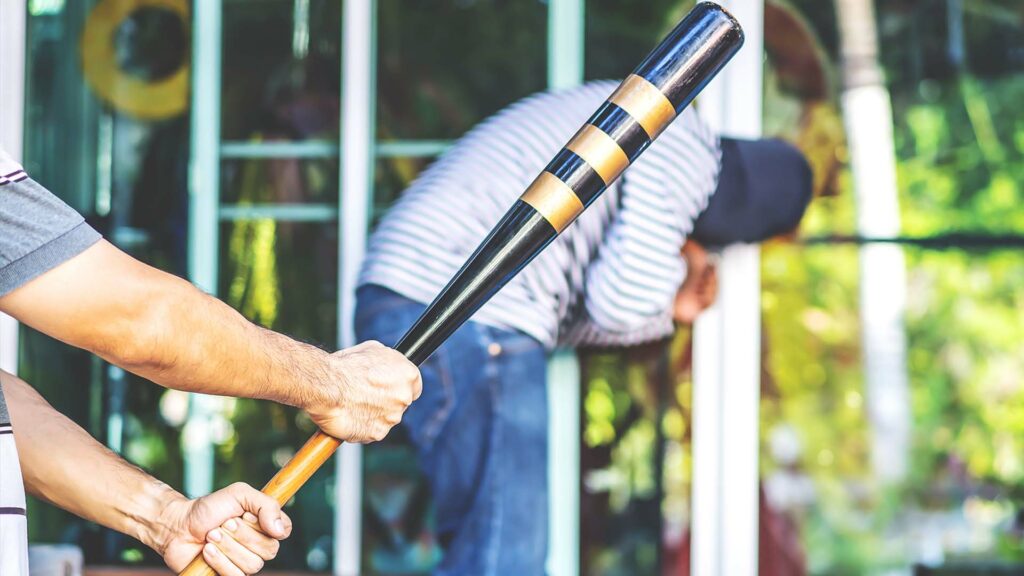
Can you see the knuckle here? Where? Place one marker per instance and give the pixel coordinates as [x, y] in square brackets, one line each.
[264, 499]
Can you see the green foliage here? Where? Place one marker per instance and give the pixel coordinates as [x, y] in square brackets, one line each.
[959, 145]
[965, 323]
[965, 328]
[813, 354]
[961, 156]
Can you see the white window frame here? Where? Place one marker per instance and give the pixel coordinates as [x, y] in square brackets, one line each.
[565, 69]
[727, 348]
[12, 113]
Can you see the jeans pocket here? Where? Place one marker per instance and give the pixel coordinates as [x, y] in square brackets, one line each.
[384, 317]
[427, 416]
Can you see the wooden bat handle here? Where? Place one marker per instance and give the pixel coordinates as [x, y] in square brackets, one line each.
[313, 454]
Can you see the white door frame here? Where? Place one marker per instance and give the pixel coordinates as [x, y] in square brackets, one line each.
[12, 113]
[358, 119]
[727, 348]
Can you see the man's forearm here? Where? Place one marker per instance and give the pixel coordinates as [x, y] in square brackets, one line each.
[229, 356]
[63, 465]
[162, 328]
[166, 330]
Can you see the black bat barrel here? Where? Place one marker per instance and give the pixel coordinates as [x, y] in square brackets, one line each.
[621, 129]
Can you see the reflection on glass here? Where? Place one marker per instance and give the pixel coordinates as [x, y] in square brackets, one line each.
[135, 57]
[621, 34]
[960, 504]
[393, 176]
[953, 69]
[283, 276]
[398, 521]
[444, 66]
[103, 138]
[281, 70]
[252, 182]
[954, 72]
[399, 536]
[636, 473]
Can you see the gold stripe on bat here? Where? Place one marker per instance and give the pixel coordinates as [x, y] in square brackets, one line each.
[644, 102]
[555, 201]
[600, 151]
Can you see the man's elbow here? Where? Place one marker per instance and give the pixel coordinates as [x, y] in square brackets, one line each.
[616, 319]
[144, 339]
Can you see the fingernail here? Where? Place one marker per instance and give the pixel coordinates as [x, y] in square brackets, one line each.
[211, 550]
[249, 517]
[214, 535]
[279, 526]
[231, 525]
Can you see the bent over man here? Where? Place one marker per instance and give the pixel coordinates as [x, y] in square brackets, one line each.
[613, 278]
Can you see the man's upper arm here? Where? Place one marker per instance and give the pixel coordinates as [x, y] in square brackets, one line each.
[38, 231]
[56, 273]
[633, 281]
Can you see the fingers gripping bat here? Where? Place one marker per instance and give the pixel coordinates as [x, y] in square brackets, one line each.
[622, 128]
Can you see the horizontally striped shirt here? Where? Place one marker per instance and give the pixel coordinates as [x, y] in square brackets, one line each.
[609, 279]
[13, 522]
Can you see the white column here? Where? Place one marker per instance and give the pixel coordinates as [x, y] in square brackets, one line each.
[565, 70]
[358, 114]
[564, 464]
[727, 350]
[867, 113]
[12, 100]
[566, 26]
[204, 200]
[883, 281]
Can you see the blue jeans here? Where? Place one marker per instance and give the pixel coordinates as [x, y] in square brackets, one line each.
[480, 430]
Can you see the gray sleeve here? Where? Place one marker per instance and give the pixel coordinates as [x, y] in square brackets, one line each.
[38, 231]
[5, 418]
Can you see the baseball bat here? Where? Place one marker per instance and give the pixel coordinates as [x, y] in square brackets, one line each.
[622, 128]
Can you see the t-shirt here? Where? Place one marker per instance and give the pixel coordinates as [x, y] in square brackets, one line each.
[37, 233]
[37, 230]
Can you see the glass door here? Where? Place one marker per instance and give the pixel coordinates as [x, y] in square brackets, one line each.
[259, 143]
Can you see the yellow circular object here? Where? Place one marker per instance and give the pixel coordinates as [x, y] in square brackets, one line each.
[149, 100]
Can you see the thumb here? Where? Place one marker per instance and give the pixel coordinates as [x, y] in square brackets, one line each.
[272, 521]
